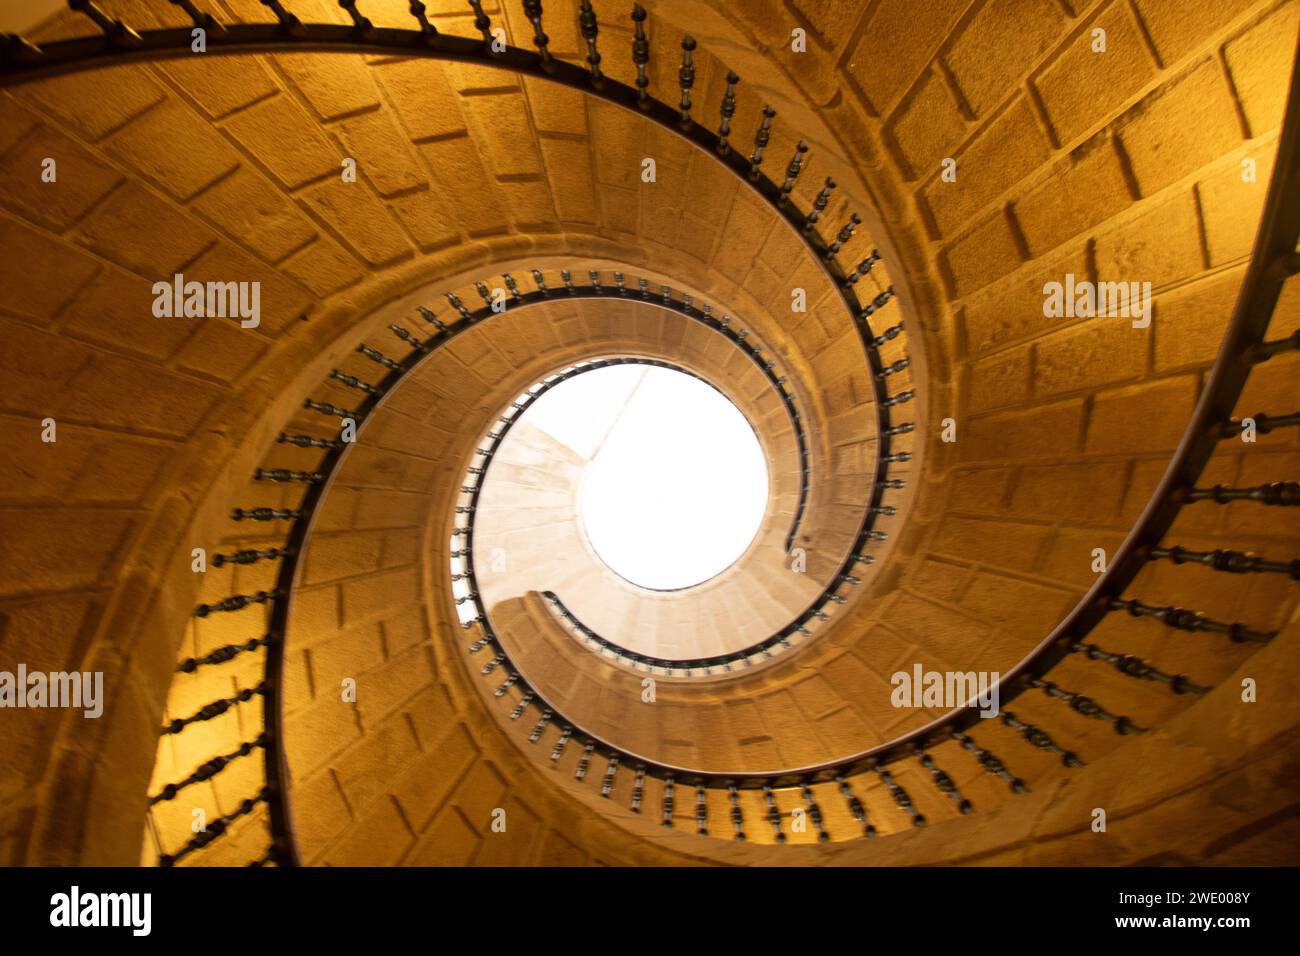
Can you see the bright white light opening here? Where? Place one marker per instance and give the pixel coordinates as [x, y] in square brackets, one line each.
[675, 485]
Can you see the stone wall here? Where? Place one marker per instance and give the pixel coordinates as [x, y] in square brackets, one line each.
[1123, 164]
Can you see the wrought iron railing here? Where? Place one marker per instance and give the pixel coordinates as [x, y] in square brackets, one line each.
[462, 558]
[672, 666]
[1274, 260]
[422, 347]
[22, 61]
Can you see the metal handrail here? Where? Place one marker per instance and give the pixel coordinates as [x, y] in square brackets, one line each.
[1273, 260]
[704, 316]
[22, 61]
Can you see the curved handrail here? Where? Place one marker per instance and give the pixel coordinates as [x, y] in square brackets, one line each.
[22, 61]
[703, 315]
[1273, 259]
[283, 850]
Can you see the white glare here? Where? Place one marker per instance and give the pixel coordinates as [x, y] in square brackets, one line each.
[676, 484]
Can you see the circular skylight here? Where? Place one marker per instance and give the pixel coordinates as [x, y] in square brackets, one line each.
[675, 483]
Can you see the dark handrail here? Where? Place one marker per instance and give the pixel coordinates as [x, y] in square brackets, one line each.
[22, 61]
[283, 850]
[671, 664]
[704, 315]
[1273, 260]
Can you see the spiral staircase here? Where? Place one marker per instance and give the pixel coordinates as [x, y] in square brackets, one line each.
[1099, 513]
